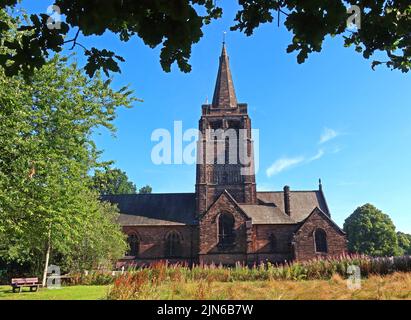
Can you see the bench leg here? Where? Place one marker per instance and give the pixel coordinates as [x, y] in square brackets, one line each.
[20, 288]
[14, 289]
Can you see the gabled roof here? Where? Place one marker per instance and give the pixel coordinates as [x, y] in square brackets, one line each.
[321, 212]
[302, 202]
[232, 200]
[224, 93]
[155, 209]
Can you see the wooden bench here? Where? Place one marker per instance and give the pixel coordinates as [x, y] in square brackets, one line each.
[20, 283]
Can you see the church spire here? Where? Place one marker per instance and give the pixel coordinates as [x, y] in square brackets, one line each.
[224, 94]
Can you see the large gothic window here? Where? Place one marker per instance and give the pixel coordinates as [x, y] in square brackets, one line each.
[320, 238]
[173, 245]
[226, 235]
[134, 245]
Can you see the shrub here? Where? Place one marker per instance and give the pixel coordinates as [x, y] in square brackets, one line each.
[93, 278]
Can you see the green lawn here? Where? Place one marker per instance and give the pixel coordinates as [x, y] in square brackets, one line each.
[64, 293]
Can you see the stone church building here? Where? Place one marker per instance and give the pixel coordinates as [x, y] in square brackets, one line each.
[226, 220]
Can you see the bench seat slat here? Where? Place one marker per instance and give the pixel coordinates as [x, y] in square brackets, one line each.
[26, 282]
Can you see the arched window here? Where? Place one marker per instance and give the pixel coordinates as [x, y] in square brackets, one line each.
[134, 245]
[273, 243]
[226, 229]
[173, 245]
[320, 240]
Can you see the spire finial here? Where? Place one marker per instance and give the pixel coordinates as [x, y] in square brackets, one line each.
[224, 33]
[320, 185]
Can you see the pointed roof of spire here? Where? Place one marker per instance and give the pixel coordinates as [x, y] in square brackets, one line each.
[224, 93]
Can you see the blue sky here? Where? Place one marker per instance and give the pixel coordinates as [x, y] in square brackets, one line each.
[332, 117]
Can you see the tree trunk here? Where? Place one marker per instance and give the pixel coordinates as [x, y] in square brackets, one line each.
[46, 264]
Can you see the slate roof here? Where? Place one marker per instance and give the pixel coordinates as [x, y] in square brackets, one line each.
[302, 202]
[266, 214]
[155, 208]
[179, 208]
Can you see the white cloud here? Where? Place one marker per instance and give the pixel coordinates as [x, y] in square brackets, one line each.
[327, 135]
[283, 164]
[336, 149]
[319, 155]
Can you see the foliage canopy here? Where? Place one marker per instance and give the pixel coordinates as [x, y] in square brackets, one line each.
[46, 152]
[370, 231]
[177, 25]
[112, 181]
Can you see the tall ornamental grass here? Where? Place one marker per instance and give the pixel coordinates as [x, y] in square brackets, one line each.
[136, 283]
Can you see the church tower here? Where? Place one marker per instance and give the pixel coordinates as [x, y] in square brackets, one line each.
[225, 157]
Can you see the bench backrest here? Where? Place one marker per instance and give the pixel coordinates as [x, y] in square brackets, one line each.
[24, 280]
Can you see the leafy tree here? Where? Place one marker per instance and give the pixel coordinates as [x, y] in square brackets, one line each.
[146, 189]
[372, 232]
[177, 25]
[46, 152]
[404, 242]
[112, 181]
[103, 240]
